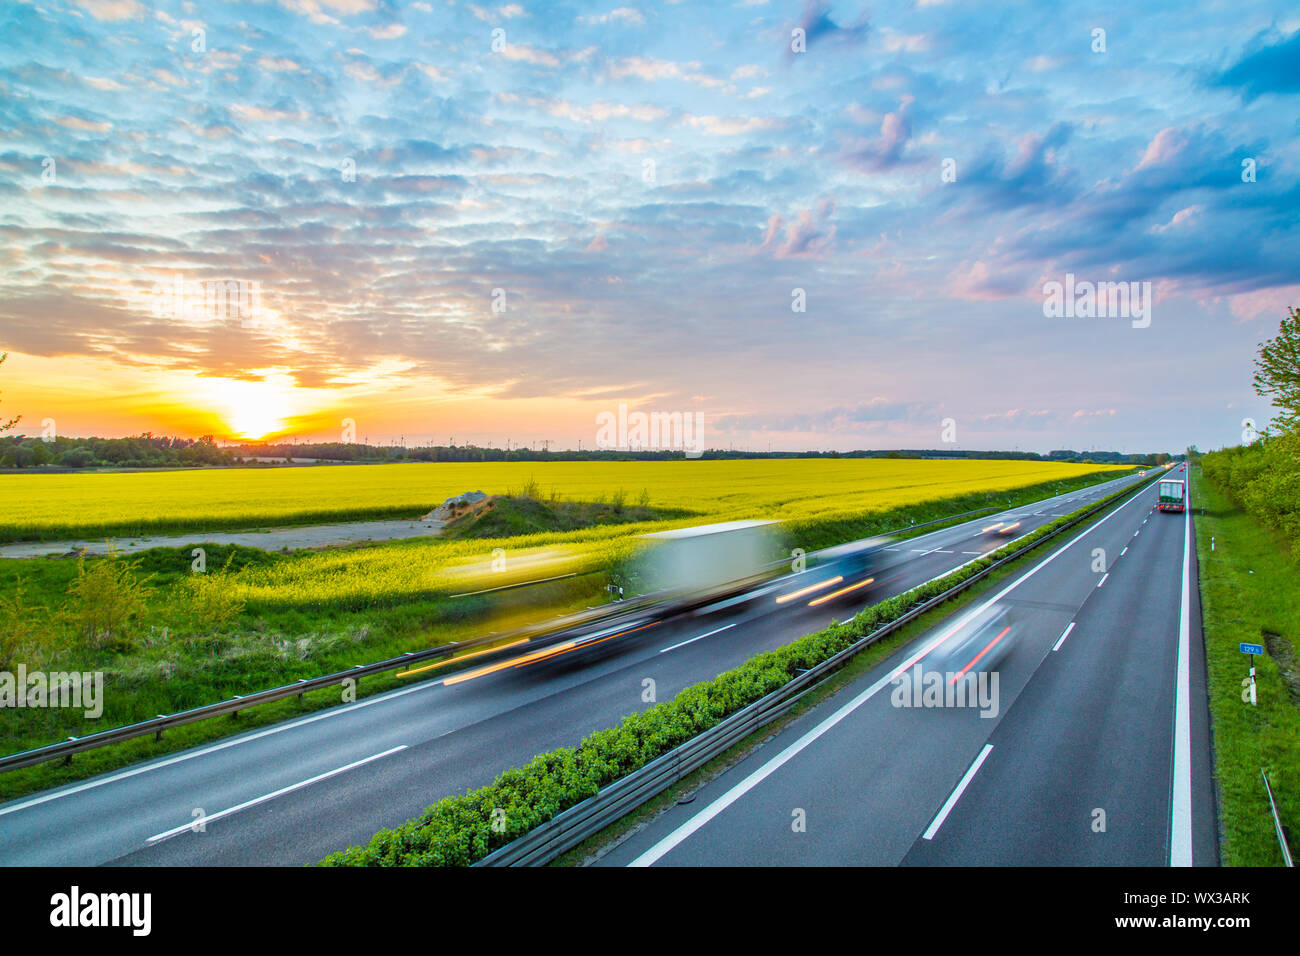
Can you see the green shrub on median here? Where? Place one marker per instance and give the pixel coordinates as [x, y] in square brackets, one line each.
[460, 830]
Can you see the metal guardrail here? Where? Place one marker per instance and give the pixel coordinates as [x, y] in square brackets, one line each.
[571, 827]
[925, 524]
[553, 629]
[1277, 821]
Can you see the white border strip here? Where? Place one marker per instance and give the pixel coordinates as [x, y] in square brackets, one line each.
[1180, 817]
[956, 794]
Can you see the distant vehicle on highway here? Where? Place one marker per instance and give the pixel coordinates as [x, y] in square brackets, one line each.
[1172, 494]
[1002, 527]
[835, 572]
[853, 560]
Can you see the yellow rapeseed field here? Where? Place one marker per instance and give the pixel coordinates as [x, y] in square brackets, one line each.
[117, 503]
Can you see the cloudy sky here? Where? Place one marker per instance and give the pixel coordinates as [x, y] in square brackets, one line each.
[489, 222]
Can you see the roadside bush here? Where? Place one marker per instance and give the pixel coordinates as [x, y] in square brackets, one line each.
[206, 602]
[107, 598]
[19, 633]
[77, 458]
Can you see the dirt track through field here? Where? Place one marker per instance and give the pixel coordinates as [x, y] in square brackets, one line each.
[269, 539]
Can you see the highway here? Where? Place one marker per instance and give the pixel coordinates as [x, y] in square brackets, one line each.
[290, 793]
[1093, 751]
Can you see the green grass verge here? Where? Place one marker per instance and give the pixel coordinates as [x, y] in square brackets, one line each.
[168, 678]
[459, 830]
[504, 516]
[1249, 594]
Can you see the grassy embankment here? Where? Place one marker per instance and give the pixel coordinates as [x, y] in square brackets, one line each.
[1249, 594]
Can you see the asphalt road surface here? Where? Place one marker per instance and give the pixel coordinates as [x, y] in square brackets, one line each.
[1094, 750]
[293, 792]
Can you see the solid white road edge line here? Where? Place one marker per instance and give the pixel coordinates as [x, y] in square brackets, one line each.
[176, 831]
[956, 794]
[683, 832]
[1180, 822]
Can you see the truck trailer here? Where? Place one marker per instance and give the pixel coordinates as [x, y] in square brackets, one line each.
[1172, 495]
[690, 565]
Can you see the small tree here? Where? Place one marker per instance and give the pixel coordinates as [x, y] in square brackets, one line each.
[1277, 371]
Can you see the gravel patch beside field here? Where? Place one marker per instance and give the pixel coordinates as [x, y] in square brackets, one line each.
[269, 539]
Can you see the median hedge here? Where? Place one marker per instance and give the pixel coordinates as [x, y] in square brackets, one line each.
[460, 830]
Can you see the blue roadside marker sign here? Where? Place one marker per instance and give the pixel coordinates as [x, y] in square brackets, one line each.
[1249, 682]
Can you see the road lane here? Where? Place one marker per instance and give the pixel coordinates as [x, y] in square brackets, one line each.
[1083, 723]
[1081, 769]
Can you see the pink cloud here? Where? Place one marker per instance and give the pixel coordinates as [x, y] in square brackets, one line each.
[808, 235]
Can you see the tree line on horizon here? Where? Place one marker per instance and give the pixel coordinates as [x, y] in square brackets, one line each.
[139, 451]
[153, 451]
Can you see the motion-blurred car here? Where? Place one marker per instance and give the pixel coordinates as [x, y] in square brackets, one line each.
[855, 560]
[982, 644]
[838, 571]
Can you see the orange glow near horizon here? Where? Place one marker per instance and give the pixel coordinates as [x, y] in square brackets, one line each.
[89, 396]
[251, 410]
[86, 396]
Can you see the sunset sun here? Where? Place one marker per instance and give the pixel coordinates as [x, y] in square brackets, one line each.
[253, 410]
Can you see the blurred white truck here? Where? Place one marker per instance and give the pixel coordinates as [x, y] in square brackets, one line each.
[708, 561]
